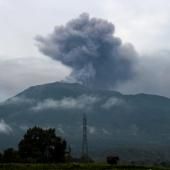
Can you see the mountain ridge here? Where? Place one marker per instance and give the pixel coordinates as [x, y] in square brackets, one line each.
[117, 120]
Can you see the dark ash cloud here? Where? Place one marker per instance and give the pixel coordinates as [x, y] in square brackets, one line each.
[152, 75]
[89, 47]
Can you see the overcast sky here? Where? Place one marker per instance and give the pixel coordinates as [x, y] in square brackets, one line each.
[145, 24]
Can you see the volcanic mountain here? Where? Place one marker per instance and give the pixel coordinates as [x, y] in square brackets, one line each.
[133, 126]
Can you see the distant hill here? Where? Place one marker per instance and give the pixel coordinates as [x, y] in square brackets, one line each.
[136, 127]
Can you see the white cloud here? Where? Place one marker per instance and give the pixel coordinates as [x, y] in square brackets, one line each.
[144, 24]
[81, 102]
[106, 132]
[21, 73]
[18, 100]
[19, 26]
[24, 127]
[91, 129]
[4, 127]
[111, 102]
[60, 129]
[133, 129]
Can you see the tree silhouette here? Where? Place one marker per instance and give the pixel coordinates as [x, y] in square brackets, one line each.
[112, 160]
[0, 157]
[10, 156]
[42, 145]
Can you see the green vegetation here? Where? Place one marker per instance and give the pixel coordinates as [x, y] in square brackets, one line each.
[37, 146]
[134, 127]
[75, 167]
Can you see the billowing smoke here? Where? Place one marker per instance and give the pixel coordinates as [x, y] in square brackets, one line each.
[89, 47]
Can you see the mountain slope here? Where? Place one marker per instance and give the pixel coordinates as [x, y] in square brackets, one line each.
[116, 122]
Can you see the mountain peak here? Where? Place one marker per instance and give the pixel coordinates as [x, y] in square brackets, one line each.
[113, 118]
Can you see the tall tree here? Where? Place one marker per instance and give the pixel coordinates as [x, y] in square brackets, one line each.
[42, 145]
[0, 157]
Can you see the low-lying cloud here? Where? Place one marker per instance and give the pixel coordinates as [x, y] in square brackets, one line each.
[19, 100]
[111, 102]
[4, 127]
[81, 102]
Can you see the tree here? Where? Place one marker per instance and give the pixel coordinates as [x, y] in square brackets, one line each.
[10, 156]
[112, 160]
[0, 157]
[42, 145]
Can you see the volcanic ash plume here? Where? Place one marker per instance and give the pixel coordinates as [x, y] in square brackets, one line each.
[89, 47]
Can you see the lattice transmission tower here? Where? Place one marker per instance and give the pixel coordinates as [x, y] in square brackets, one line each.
[84, 140]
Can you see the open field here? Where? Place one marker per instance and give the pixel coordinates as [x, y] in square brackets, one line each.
[75, 167]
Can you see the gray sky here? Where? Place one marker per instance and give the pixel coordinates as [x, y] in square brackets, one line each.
[144, 24]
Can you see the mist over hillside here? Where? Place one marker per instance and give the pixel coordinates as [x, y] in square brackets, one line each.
[116, 123]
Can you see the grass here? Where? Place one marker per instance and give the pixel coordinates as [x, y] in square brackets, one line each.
[74, 167]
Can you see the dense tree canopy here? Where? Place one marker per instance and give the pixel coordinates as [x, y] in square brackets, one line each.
[10, 156]
[42, 145]
[0, 157]
[112, 160]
